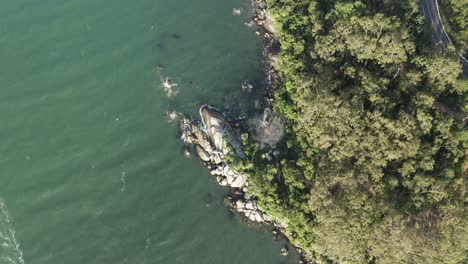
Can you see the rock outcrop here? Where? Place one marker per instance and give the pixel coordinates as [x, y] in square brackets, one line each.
[213, 139]
[220, 132]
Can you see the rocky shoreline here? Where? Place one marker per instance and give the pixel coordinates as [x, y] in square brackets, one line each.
[271, 49]
[214, 137]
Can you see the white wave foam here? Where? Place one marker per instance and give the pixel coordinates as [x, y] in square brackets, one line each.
[123, 180]
[9, 245]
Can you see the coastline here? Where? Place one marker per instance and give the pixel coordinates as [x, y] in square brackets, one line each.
[269, 178]
[271, 49]
[218, 141]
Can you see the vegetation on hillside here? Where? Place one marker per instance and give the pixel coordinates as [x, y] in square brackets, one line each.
[371, 170]
[456, 12]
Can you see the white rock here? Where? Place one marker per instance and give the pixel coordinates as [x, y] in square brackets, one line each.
[255, 216]
[217, 159]
[258, 217]
[202, 153]
[267, 218]
[225, 151]
[216, 172]
[230, 180]
[239, 181]
[224, 182]
[202, 140]
[251, 217]
[250, 205]
[226, 170]
[231, 173]
[240, 205]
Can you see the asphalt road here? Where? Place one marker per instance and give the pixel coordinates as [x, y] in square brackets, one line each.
[430, 10]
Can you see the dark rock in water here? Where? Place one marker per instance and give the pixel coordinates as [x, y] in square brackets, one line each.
[161, 45]
[237, 193]
[230, 214]
[176, 36]
[228, 202]
[247, 86]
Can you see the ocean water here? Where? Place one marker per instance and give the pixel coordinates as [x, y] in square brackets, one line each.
[90, 169]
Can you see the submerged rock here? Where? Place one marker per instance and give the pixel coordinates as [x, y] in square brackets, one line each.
[247, 87]
[172, 116]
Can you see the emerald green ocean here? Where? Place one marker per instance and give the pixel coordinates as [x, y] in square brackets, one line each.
[91, 171]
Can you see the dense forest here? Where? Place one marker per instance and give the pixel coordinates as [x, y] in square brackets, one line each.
[372, 168]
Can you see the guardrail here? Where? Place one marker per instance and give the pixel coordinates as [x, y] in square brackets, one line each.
[445, 32]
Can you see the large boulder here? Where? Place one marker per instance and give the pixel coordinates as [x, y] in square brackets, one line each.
[203, 140]
[202, 153]
[220, 131]
[239, 182]
[230, 179]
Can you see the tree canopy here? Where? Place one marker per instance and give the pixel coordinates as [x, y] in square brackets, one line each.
[372, 171]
